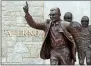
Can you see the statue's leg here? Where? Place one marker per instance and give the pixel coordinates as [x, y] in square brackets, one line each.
[81, 60]
[81, 56]
[88, 57]
[53, 58]
[54, 61]
[64, 57]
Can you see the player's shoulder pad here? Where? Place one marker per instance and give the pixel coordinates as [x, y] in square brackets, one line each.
[65, 23]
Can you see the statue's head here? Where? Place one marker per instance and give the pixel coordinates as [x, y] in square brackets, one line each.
[55, 14]
[68, 17]
[85, 21]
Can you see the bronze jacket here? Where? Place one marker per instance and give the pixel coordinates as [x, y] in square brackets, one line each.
[45, 26]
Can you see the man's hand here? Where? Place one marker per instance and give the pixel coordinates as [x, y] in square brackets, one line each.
[25, 8]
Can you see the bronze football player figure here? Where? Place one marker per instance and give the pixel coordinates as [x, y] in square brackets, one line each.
[69, 17]
[84, 47]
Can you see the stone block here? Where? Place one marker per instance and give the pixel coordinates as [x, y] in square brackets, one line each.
[14, 57]
[10, 50]
[20, 48]
[3, 59]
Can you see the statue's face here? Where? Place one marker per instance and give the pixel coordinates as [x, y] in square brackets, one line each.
[85, 21]
[54, 16]
[68, 17]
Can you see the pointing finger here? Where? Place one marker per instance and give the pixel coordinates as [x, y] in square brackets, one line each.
[26, 4]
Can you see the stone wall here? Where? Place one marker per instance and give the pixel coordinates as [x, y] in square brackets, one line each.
[20, 43]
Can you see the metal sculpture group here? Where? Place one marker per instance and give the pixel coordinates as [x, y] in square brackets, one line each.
[63, 37]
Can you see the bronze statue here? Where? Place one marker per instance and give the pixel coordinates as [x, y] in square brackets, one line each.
[58, 45]
[69, 17]
[84, 47]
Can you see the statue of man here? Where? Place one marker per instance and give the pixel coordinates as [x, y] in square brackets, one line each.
[69, 17]
[84, 48]
[57, 45]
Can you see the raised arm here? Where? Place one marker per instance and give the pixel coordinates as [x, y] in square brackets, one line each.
[30, 20]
